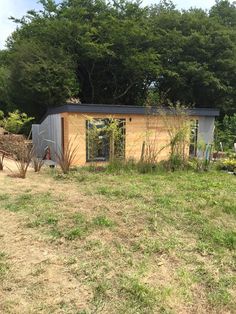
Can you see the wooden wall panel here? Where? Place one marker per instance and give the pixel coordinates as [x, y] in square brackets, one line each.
[137, 131]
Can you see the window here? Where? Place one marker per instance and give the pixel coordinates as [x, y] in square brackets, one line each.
[193, 138]
[105, 138]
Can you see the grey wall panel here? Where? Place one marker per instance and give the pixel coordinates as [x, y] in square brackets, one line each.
[48, 133]
[206, 129]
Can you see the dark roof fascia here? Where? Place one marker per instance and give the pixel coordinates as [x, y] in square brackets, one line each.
[123, 109]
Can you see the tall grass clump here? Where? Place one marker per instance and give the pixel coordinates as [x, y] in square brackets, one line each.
[171, 122]
[178, 130]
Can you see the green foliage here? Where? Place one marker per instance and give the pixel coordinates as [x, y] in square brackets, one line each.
[103, 221]
[115, 52]
[141, 296]
[1, 117]
[41, 76]
[16, 122]
[146, 167]
[4, 86]
[227, 164]
[226, 132]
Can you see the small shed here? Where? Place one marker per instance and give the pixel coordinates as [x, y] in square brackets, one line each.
[70, 124]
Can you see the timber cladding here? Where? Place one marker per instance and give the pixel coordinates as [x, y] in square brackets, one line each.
[138, 128]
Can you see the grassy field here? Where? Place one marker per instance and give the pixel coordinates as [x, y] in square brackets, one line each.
[118, 243]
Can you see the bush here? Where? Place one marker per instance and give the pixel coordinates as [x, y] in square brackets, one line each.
[16, 122]
[65, 157]
[11, 144]
[227, 164]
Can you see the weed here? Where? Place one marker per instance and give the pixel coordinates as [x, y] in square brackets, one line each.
[55, 233]
[75, 233]
[4, 267]
[103, 221]
[43, 219]
[141, 296]
[21, 202]
[4, 197]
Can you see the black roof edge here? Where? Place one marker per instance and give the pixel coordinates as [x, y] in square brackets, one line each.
[124, 109]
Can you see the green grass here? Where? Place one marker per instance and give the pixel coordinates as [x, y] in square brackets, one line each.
[140, 243]
[103, 221]
[4, 267]
[140, 297]
[28, 201]
[170, 210]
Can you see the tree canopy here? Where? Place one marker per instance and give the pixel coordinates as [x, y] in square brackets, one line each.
[116, 52]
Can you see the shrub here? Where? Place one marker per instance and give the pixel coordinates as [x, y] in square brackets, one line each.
[227, 164]
[11, 144]
[66, 156]
[176, 162]
[16, 122]
[22, 161]
[18, 149]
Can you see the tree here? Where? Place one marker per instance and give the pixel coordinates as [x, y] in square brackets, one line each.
[226, 132]
[107, 47]
[224, 12]
[40, 76]
[115, 52]
[198, 58]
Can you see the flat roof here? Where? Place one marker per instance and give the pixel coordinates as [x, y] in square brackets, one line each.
[123, 109]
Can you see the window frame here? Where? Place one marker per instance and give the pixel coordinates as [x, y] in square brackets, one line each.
[193, 138]
[106, 157]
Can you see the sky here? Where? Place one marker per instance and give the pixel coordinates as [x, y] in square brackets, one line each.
[18, 8]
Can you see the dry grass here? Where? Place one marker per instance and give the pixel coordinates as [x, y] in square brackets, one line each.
[128, 243]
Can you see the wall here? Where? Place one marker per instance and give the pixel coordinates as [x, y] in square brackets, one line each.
[206, 129]
[139, 128]
[48, 133]
[136, 133]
